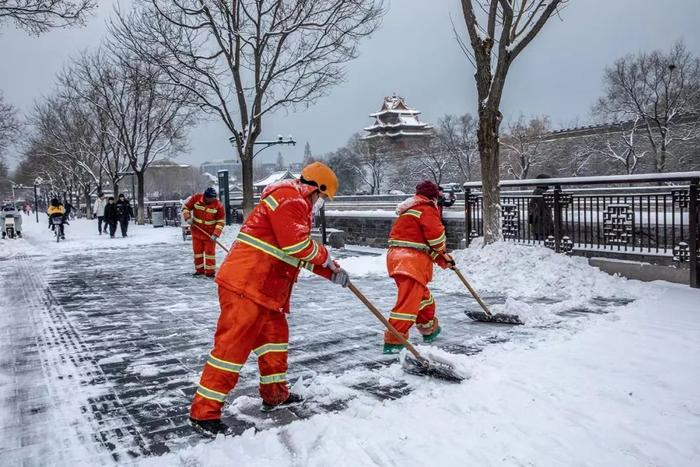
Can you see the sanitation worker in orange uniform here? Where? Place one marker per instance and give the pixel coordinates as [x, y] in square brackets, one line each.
[255, 283]
[417, 240]
[207, 217]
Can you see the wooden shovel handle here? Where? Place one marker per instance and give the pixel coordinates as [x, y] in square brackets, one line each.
[386, 323]
[205, 232]
[471, 290]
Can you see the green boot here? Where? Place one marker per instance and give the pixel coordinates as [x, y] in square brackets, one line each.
[433, 336]
[393, 348]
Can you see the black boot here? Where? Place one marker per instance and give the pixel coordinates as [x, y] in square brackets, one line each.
[210, 428]
[292, 399]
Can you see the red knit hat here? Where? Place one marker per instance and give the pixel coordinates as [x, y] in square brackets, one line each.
[428, 189]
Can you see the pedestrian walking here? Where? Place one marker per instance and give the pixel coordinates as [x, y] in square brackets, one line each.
[99, 211]
[255, 283]
[207, 216]
[124, 213]
[416, 241]
[111, 216]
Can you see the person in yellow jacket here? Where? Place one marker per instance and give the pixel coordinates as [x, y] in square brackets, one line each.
[56, 210]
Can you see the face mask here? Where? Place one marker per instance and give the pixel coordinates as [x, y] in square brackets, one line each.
[318, 205]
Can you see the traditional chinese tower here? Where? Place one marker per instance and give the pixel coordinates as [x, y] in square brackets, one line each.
[398, 125]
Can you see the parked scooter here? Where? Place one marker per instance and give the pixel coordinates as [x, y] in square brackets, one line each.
[11, 221]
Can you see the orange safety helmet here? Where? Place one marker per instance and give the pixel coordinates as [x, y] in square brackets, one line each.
[320, 175]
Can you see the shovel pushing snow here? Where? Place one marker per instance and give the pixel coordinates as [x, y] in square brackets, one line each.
[485, 316]
[415, 364]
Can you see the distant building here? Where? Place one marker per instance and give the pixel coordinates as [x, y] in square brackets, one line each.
[167, 179]
[295, 167]
[397, 124]
[232, 165]
[260, 185]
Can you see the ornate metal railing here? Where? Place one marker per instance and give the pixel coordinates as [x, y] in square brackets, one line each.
[662, 220]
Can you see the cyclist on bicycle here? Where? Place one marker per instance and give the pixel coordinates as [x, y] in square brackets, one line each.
[56, 210]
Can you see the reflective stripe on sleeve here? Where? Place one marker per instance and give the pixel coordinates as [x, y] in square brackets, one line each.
[438, 240]
[412, 212]
[313, 253]
[271, 202]
[296, 248]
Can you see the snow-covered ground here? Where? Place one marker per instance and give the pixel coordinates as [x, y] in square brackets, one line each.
[102, 341]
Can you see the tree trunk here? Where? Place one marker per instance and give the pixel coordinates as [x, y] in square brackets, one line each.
[487, 134]
[247, 177]
[141, 198]
[661, 166]
[115, 189]
[88, 204]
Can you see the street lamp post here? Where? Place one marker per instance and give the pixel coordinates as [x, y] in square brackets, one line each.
[266, 144]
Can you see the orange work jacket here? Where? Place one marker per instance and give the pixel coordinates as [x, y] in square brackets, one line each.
[416, 240]
[209, 217]
[273, 245]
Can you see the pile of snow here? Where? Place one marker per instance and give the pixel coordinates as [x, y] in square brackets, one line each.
[536, 282]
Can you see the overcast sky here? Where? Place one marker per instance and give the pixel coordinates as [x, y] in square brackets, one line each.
[415, 55]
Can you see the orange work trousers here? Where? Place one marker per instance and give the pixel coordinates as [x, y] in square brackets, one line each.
[414, 304]
[204, 255]
[243, 326]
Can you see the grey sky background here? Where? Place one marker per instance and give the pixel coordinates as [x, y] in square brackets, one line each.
[415, 55]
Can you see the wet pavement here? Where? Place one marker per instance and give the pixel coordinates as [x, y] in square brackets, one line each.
[131, 328]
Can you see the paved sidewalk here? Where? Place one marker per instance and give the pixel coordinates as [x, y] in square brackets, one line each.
[102, 349]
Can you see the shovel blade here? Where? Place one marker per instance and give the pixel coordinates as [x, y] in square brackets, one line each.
[430, 368]
[498, 318]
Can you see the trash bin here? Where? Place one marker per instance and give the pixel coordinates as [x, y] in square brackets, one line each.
[157, 216]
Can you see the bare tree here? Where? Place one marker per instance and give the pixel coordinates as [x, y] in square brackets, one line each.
[659, 90]
[619, 146]
[149, 116]
[522, 145]
[62, 135]
[457, 137]
[38, 16]
[374, 162]
[10, 125]
[505, 28]
[244, 59]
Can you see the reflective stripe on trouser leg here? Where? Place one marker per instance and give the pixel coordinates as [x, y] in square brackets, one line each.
[426, 322]
[237, 331]
[209, 258]
[271, 348]
[405, 311]
[198, 251]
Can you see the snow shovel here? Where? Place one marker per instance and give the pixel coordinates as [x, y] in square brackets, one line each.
[416, 364]
[485, 316]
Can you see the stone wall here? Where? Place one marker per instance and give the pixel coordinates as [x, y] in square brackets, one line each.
[374, 230]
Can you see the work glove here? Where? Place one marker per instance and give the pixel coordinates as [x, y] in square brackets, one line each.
[332, 264]
[213, 238]
[341, 277]
[446, 261]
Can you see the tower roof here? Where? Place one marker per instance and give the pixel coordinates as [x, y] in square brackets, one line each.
[396, 119]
